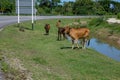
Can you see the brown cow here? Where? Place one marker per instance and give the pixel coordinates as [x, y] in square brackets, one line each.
[47, 28]
[76, 34]
[58, 23]
[61, 33]
[60, 30]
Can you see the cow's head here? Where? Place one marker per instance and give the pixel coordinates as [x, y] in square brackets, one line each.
[67, 29]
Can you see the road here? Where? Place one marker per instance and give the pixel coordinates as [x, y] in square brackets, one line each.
[6, 20]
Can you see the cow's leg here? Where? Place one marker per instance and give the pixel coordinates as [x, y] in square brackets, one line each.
[63, 35]
[77, 43]
[72, 44]
[58, 35]
[47, 32]
[84, 43]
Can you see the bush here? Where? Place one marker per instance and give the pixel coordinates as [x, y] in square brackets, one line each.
[118, 15]
[96, 21]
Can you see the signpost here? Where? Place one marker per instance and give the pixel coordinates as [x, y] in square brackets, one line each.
[32, 17]
[25, 7]
[18, 14]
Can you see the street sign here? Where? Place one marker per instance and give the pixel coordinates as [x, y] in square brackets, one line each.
[25, 6]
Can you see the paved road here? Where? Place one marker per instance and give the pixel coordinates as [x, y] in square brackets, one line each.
[6, 20]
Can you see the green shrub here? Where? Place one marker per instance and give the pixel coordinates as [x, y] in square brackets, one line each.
[118, 15]
[96, 21]
[4, 67]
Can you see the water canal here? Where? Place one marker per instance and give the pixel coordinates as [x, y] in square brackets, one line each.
[105, 49]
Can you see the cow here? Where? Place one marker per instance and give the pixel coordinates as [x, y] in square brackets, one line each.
[47, 28]
[60, 30]
[58, 23]
[61, 33]
[76, 34]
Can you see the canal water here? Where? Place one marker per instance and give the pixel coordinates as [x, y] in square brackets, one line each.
[105, 49]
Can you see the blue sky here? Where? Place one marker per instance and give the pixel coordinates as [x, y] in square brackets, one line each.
[117, 0]
[66, 0]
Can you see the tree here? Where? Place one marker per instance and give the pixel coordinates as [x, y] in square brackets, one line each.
[67, 8]
[3, 5]
[116, 8]
[82, 7]
[7, 5]
[105, 4]
[79, 7]
[47, 5]
[55, 2]
[98, 9]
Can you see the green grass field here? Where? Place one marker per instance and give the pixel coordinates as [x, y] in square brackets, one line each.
[48, 59]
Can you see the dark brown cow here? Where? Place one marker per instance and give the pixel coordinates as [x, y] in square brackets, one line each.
[47, 28]
[78, 33]
[61, 32]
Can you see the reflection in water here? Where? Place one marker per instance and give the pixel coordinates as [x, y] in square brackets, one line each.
[105, 49]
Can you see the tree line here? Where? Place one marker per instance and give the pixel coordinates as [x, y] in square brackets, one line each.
[79, 7]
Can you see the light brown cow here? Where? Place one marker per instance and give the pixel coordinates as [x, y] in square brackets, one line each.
[76, 34]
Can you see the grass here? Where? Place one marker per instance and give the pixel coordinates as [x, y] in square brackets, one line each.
[49, 59]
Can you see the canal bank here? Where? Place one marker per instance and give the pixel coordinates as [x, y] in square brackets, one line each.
[106, 41]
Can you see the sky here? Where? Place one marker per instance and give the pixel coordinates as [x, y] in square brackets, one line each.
[67, 0]
[117, 0]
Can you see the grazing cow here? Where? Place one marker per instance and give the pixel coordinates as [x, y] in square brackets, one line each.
[58, 23]
[47, 28]
[61, 32]
[76, 34]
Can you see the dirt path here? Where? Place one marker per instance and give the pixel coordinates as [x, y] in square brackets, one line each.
[113, 20]
[1, 76]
